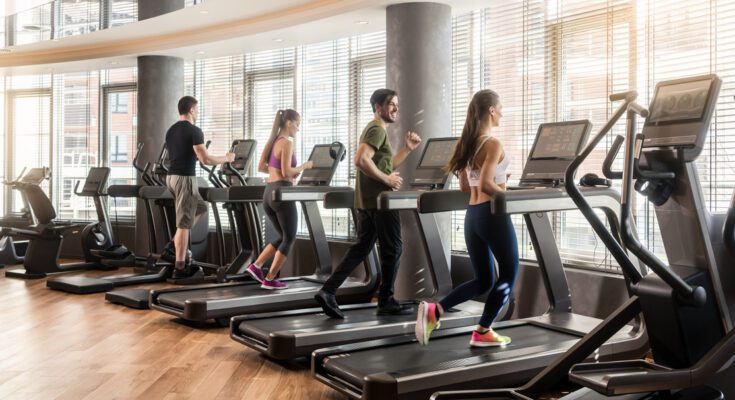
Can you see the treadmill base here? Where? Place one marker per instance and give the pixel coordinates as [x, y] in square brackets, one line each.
[133, 298]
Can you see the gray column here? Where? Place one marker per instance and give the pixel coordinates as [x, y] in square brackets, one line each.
[160, 86]
[153, 8]
[419, 68]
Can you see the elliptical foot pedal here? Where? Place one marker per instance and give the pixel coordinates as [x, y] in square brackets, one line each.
[133, 298]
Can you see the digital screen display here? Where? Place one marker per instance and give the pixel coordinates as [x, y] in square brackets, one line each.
[437, 153]
[558, 140]
[242, 151]
[321, 158]
[679, 102]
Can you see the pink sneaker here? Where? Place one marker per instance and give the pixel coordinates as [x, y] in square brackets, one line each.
[256, 273]
[426, 322]
[273, 285]
[488, 339]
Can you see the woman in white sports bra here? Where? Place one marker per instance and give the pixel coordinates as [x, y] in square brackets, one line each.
[481, 164]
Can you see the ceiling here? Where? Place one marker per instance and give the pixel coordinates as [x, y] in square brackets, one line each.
[213, 28]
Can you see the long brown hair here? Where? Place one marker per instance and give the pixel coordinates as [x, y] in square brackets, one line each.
[282, 116]
[476, 112]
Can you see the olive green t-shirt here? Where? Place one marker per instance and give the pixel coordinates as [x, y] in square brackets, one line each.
[367, 189]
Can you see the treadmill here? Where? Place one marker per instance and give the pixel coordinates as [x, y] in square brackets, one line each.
[161, 269]
[687, 303]
[399, 368]
[222, 301]
[296, 333]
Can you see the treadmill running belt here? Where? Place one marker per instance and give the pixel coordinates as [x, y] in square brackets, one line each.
[261, 329]
[443, 353]
[177, 299]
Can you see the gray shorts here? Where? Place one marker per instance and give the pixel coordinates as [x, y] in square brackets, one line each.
[188, 202]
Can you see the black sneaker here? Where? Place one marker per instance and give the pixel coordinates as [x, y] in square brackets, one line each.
[329, 304]
[392, 307]
[189, 271]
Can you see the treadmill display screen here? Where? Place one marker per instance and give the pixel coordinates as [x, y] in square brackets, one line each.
[242, 151]
[558, 140]
[437, 153]
[321, 158]
[679, 102]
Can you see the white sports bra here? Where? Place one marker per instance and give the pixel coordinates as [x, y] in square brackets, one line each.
[473, 175]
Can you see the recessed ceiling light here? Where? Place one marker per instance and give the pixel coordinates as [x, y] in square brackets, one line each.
[279, 40]
[204, 12]
[113, 62]
[200, 52]
[362, 22]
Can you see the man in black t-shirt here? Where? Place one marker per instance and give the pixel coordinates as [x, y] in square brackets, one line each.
[185, 144]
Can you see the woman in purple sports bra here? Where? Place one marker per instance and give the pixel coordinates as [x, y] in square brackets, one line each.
[279, 161]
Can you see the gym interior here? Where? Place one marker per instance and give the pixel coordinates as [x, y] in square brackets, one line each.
[612, 166]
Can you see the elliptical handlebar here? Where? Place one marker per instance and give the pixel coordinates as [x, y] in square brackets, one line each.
[210, 170]
[610, 159]
[615, 248]
[628, 96]
[137, 157]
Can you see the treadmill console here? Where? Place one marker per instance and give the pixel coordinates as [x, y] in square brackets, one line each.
[680, 113]
[324, 166]
[436, 155]
[554, 148]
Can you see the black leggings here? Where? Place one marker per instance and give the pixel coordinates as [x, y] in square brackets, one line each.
[282, 215]
[487, 235]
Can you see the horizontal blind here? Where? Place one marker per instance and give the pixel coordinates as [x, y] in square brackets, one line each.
[76, 141]
[121, 12]
[269, 87]
[29, 100]
[76, 18]
[323, 80]
[589, 45]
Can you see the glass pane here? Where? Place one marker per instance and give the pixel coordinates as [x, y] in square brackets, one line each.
[123, 12]
[76, 142]
[121, 127]
[78, 17]
[31, 124]
[33, 25]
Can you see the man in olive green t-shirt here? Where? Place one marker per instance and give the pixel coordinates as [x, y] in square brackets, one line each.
[375, 163]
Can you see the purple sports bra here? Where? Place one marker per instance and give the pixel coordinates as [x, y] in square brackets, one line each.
[276, 162]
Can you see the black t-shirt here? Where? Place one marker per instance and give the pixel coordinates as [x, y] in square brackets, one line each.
[180, 139]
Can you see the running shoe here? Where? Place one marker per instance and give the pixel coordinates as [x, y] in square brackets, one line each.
[426, 321]
[273, 285]
[256, 273]
[488, 339]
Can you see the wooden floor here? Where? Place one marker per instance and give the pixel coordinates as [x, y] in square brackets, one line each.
[55, 345]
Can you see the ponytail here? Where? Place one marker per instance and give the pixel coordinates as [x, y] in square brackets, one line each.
[464, 152]
[278, 123]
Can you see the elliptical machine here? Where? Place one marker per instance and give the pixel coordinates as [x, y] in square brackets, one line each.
[8, 248]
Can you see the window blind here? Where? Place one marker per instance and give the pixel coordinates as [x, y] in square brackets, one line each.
[75, 141]
[76, 17]
[28, 99]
